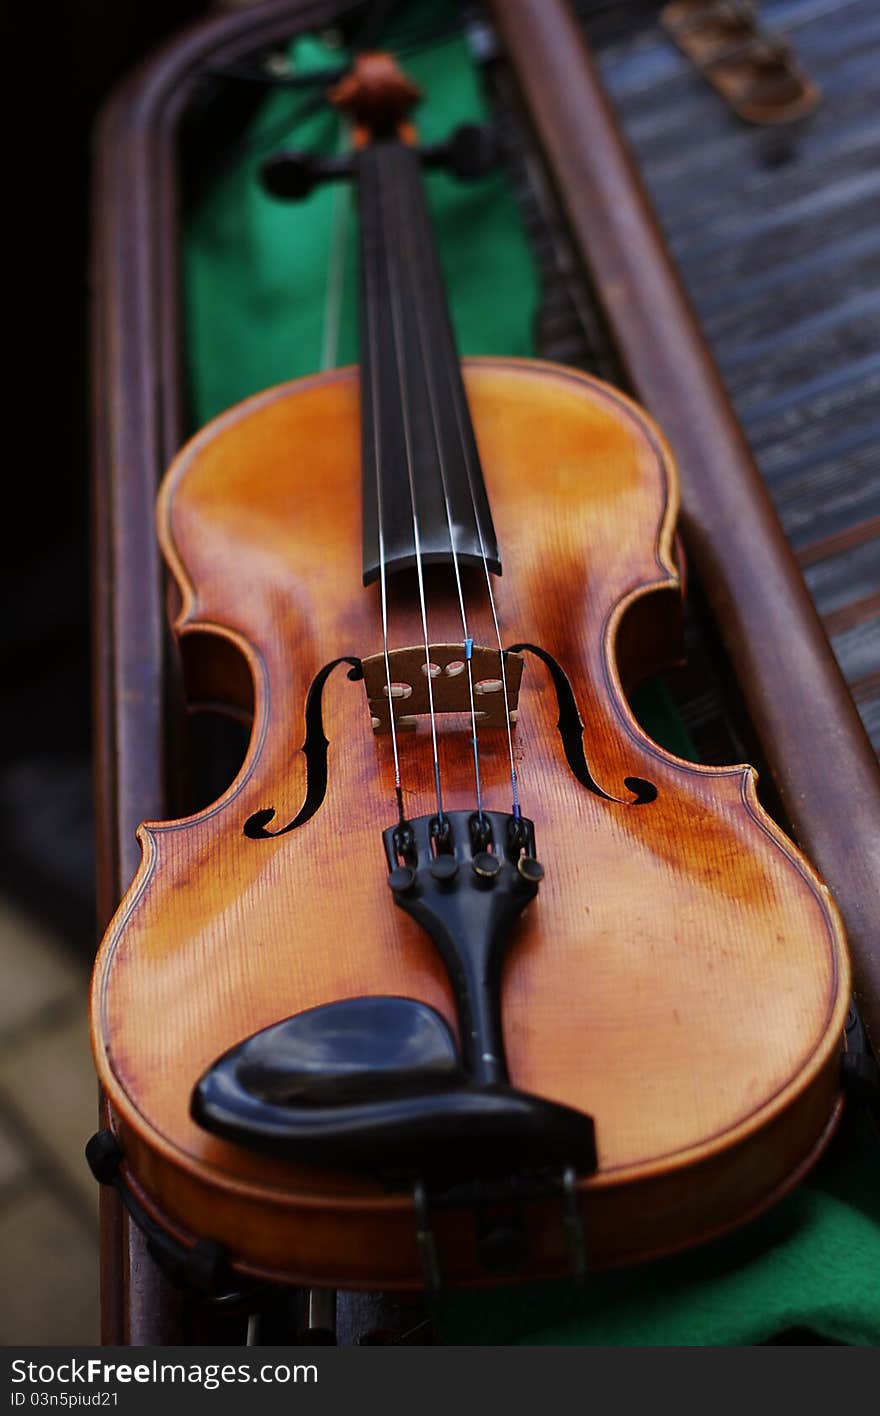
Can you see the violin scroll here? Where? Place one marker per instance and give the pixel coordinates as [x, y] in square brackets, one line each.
[377, 96]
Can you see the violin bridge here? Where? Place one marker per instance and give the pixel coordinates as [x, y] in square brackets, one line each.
[447, 665]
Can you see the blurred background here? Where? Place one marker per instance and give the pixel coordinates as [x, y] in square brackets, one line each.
[72, 57]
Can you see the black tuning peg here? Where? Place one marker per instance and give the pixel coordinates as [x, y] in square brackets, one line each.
[291, 174]
[472, 151]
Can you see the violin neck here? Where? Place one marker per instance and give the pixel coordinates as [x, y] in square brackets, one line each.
[420, 465]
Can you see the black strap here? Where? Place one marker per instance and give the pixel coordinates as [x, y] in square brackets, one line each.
[202, 1269]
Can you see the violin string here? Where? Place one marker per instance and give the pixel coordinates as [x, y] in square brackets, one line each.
[405, 225]
[514, 777]
[370, 314]
[396, 314]
[455, 389]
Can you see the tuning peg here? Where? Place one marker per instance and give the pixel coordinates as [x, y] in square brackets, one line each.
[291, 174]
[472, 151]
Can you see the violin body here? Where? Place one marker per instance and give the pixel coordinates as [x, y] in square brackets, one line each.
[682, 977]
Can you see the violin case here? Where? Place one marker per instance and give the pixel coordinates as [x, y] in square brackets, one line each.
[160, 143]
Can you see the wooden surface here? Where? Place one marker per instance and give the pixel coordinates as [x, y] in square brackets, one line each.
[778, 246]
[682, 976]
[791, 683]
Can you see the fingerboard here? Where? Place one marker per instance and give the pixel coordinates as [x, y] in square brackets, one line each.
[420, 465]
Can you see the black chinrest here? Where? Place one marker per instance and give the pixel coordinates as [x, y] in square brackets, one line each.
[375, 1084]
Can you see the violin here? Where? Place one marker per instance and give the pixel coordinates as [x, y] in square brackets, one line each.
[463, 978]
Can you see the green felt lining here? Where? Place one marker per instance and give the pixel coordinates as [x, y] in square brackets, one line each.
[256, 296]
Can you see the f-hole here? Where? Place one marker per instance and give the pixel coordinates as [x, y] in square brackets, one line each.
[314, 749]
[571, 732]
